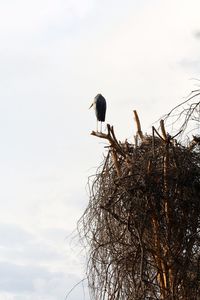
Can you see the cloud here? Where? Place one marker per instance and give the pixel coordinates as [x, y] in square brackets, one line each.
[193, 65]
[37, 265]
[22, 17]
[32, 281]
[13, 235]
[46, 247]
[20, 278]
[197, 34]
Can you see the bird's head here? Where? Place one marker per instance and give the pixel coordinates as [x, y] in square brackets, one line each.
[95, 100]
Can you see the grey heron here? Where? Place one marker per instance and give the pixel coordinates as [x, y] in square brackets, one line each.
[99, 104]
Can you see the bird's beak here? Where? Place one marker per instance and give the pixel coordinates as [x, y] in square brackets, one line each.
[91, 105]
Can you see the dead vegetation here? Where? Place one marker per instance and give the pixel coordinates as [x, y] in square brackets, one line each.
[142, 223]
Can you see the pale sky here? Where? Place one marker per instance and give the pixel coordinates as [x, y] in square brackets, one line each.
[55, 56]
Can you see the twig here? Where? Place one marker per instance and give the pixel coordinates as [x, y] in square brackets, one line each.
[81, 281]
[138, 125]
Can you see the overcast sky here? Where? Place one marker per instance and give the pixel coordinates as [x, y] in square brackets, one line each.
[55, 56]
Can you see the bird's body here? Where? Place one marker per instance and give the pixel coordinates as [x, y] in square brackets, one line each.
[100, 107]
[99, 104]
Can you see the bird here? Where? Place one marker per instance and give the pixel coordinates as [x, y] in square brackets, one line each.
[99, 104]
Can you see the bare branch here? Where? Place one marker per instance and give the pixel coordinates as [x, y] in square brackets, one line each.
[137, 121]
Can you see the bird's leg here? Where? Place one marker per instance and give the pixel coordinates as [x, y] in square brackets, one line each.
[97, 125]
[101, 127]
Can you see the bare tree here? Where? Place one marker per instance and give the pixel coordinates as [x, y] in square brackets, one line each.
[142, 223]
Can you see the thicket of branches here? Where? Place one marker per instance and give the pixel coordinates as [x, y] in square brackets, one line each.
[142, 223]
